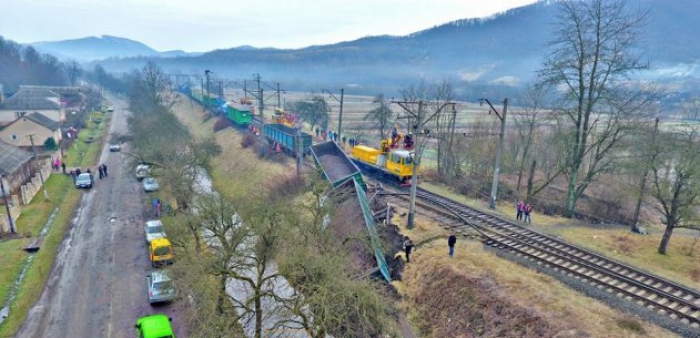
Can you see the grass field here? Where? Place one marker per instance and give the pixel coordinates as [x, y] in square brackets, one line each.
[65, 198]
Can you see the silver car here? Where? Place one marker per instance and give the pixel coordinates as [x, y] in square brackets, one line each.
[160, 287]
[154, 229]
[150, 184]
[115, 146]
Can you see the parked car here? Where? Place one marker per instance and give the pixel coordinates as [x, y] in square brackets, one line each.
[115, 146]
[154, 229]
[160, 287]
[142, 171]
[154, 326]
[161, 252]
[84, 180]
[110, 109]
[150, 184]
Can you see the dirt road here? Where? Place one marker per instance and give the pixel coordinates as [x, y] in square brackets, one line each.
[97, 286]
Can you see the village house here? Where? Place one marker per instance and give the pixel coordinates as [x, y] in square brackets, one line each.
[15, 167]
[32, 127]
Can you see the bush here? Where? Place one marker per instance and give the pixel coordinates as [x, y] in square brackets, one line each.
[221, 124]
[247, 141]
[50, 144]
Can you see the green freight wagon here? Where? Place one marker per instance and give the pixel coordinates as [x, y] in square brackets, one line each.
[240, 114]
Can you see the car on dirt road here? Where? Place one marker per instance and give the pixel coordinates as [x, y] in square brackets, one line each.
[84, 180]
[160, 287]
[154, 326]
[115, 146]
[150, 184]
[161, 252]
[154, 229]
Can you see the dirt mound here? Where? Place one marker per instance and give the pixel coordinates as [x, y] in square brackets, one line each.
[451, 304]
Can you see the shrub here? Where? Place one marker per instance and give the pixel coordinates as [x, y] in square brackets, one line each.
[50, 144]
[221, 124]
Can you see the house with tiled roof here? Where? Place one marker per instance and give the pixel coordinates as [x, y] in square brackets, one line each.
[31, 99]
[15, 167]
[35, 124]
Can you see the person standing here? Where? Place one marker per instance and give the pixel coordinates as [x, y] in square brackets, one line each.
[159, 210]
[99, 169]
[63, 166]
[104, 169]
[527, 209]
[519, 207]
[155, 206]
[451, 241]
[408, 247]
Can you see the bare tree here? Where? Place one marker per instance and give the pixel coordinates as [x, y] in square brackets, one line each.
[526, 124]
[381, 117]
[590, 60]
[675, 174]
[691, 108]
[313, 111]
[73, 70]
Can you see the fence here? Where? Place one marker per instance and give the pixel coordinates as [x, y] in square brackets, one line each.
[27, 193]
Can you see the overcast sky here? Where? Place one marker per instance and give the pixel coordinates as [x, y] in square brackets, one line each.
[203, 25]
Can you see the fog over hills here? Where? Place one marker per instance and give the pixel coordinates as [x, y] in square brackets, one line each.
[480, 56]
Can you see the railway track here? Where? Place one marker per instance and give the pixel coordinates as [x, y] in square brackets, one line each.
[656, 294]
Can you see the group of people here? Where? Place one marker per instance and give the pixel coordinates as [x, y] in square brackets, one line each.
[157, 207]
[523, 211]
[409, 246]
[102, 170]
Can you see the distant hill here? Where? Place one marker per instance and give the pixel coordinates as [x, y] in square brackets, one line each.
[95, 48]
[480, 56]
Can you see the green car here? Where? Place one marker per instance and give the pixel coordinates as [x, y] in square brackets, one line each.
[154, 326]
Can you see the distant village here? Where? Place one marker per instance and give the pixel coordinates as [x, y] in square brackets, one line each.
[36, 124]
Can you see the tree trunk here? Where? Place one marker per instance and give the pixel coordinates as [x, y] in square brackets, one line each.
[258, 313]
[530, 181]
[571, 194]
[222, 295]
[666, 238]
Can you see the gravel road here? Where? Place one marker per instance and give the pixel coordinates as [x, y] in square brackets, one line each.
[97, 285]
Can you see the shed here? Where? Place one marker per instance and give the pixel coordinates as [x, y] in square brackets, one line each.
[15, 167]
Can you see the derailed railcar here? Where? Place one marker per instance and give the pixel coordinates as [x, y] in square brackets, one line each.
[335, 164]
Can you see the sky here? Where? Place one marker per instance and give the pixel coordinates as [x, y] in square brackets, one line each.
[204, 25]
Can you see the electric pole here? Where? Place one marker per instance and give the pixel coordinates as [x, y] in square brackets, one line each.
[418, 128]
[340, 112]
[208, 98]
[499, 150]
[41, 176]
[7, 206]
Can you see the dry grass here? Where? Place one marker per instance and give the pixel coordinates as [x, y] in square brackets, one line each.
[614, 242]
[547, 297]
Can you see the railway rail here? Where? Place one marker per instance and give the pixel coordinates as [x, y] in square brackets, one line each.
[652, 292]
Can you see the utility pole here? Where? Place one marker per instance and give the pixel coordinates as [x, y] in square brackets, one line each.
[7, 206]
[208, 98]
[420, 123]
[279, 102]
[643, 183]
[41, 176]
[494, 184]
[340, 113]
